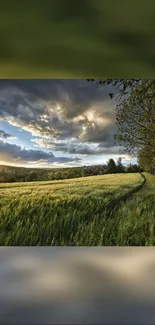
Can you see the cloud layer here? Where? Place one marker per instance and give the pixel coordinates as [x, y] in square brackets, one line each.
[70, 116]
[58, 108]
[5, 135]
[74, 147]
[16, 154]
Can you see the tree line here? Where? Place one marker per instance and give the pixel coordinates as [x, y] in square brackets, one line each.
[20, 174]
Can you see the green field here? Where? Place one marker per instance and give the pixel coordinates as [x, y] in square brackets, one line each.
[135, 221]
[82, 211]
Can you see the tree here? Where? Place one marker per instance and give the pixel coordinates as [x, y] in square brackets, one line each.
[32, 176]
[83, 172]
[120, 167]
[135, 120]
[146, 159]
[135, 114]
[133, 168]
[111, 167]
[120, 88]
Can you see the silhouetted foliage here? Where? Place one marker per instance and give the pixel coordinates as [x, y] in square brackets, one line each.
[10, 174]
[20, 174]
[111, 167]
[120, 167]
[133, 169]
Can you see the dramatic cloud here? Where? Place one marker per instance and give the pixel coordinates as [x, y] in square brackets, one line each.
[74, 147]
[73, 117]
[58, 108]
[13, 153]
[5, 135]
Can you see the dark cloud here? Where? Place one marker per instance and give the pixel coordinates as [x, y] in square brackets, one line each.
[74, 147]
[59, 109]
[5, 135]
[76, 95]
[64, 146]
[87, 150]
[14, 153]
[100, 134]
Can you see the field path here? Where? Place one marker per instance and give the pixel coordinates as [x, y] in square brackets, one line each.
[135, 216]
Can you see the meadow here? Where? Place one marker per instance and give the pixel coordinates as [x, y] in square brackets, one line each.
[81, 211]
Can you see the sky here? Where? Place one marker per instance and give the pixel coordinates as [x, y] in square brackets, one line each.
[57, 123]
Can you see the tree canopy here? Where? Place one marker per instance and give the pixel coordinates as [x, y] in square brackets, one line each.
[111, 167]
[135, 117]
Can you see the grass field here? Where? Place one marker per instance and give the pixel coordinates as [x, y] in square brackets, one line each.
[67, 212]
[134, 222]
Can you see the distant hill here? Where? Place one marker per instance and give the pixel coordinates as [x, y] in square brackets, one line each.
[9, 167]
[10, 174]
[24, 174]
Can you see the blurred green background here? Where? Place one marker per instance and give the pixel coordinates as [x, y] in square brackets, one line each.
[82, 38]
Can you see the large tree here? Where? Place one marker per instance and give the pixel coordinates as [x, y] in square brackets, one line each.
[135, 118]
[146, 159]
[122, 87]
[120, 167]
[135, 114]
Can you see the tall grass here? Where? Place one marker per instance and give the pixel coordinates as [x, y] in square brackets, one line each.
[68, 212]
[134, 221]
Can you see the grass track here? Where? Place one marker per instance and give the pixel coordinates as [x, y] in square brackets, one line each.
[134, 220]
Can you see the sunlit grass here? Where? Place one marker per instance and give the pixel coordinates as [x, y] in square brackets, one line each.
[135, 221]
[64, 212]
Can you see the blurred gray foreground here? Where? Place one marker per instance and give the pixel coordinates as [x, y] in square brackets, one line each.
[63, 285]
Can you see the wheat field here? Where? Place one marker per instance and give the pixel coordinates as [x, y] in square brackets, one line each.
[64, 212]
